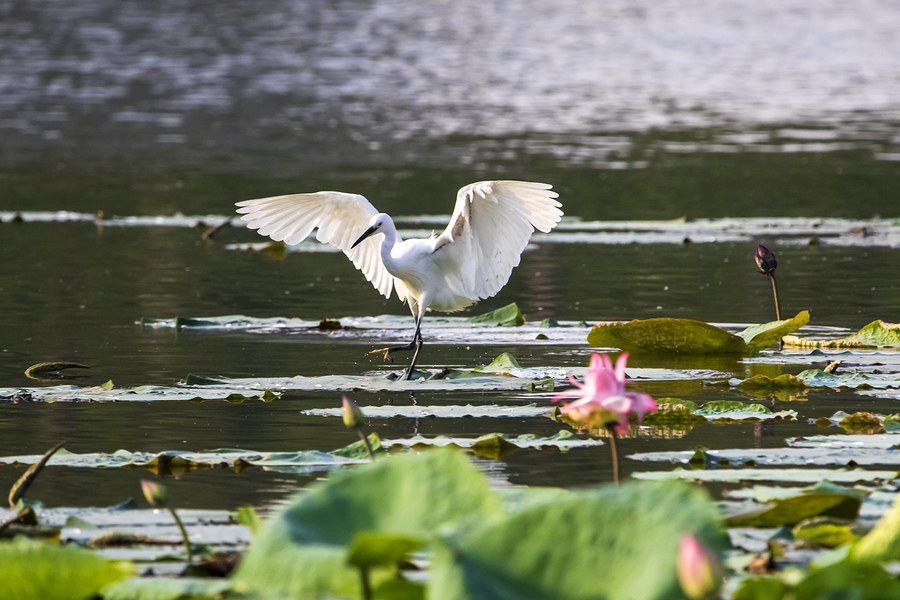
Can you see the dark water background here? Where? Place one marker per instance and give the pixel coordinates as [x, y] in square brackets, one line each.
[632, 110]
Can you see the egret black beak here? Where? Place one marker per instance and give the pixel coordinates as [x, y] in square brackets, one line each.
[367, 233]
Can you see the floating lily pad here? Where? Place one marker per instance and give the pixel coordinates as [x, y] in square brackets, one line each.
[785, 475]
[762, 493]
[451, 411]
[674, 412]
[180, 460]
[818, 456]
[790, 511]
[146, 393]
[732, 410]
[472, 380]
[819, 378]
[161, 588]
[876, 334]
[852, 442]
[563, 440]
[763, 383]
[690, 337]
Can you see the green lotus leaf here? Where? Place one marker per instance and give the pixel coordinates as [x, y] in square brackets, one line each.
[790, 511]
[373, 549]
[762, 588]
[611, 542]
[764, 383]
[163, 588]
[824, 532]
[302, 552]
[879, 333]
[848, 579]
[882, 543]
[35, 570]
[504, 363]
[666, 335]
[819, 378]
[763, 336]
[875, 334]
[507, 316]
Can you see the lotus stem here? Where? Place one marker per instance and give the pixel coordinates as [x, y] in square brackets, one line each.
[611, 428]
[366, 585]
[184, 535]
[771, 277]
[365, 441]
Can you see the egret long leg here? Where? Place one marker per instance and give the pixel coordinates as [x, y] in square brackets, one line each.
[417, 341]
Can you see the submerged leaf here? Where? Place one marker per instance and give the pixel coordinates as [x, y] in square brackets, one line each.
[507, 316]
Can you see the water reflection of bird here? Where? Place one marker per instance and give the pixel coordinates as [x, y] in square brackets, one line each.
[469, 261]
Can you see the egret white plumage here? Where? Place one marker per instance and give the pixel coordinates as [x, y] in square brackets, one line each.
[469, 261]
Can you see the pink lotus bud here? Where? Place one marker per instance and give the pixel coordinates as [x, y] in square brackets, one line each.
[154, 493]
[353, 416]
[699, 570]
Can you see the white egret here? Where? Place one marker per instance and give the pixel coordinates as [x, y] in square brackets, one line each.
[469, 261]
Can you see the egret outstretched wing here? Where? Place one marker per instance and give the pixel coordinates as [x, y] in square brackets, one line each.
[490, 227]
[341, 219]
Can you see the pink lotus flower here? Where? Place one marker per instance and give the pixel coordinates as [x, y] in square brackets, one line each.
[699, 570]
[603, 395]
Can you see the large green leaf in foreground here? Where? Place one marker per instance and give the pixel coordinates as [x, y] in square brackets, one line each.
[33, 570]
[303, 551]
[687, 336]
[613, 542]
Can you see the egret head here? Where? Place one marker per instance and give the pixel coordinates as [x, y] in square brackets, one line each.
[375, 225]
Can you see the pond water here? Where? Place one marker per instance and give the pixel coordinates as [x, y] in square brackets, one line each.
[634, 111]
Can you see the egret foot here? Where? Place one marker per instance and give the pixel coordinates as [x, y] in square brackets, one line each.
[384, 352]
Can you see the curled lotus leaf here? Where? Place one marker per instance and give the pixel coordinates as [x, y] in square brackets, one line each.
[876, 334]
[506, 316]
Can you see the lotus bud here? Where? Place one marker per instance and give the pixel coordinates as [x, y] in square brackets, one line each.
[154, 493]
[765, 260]
[699, 570]
[353, 416]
